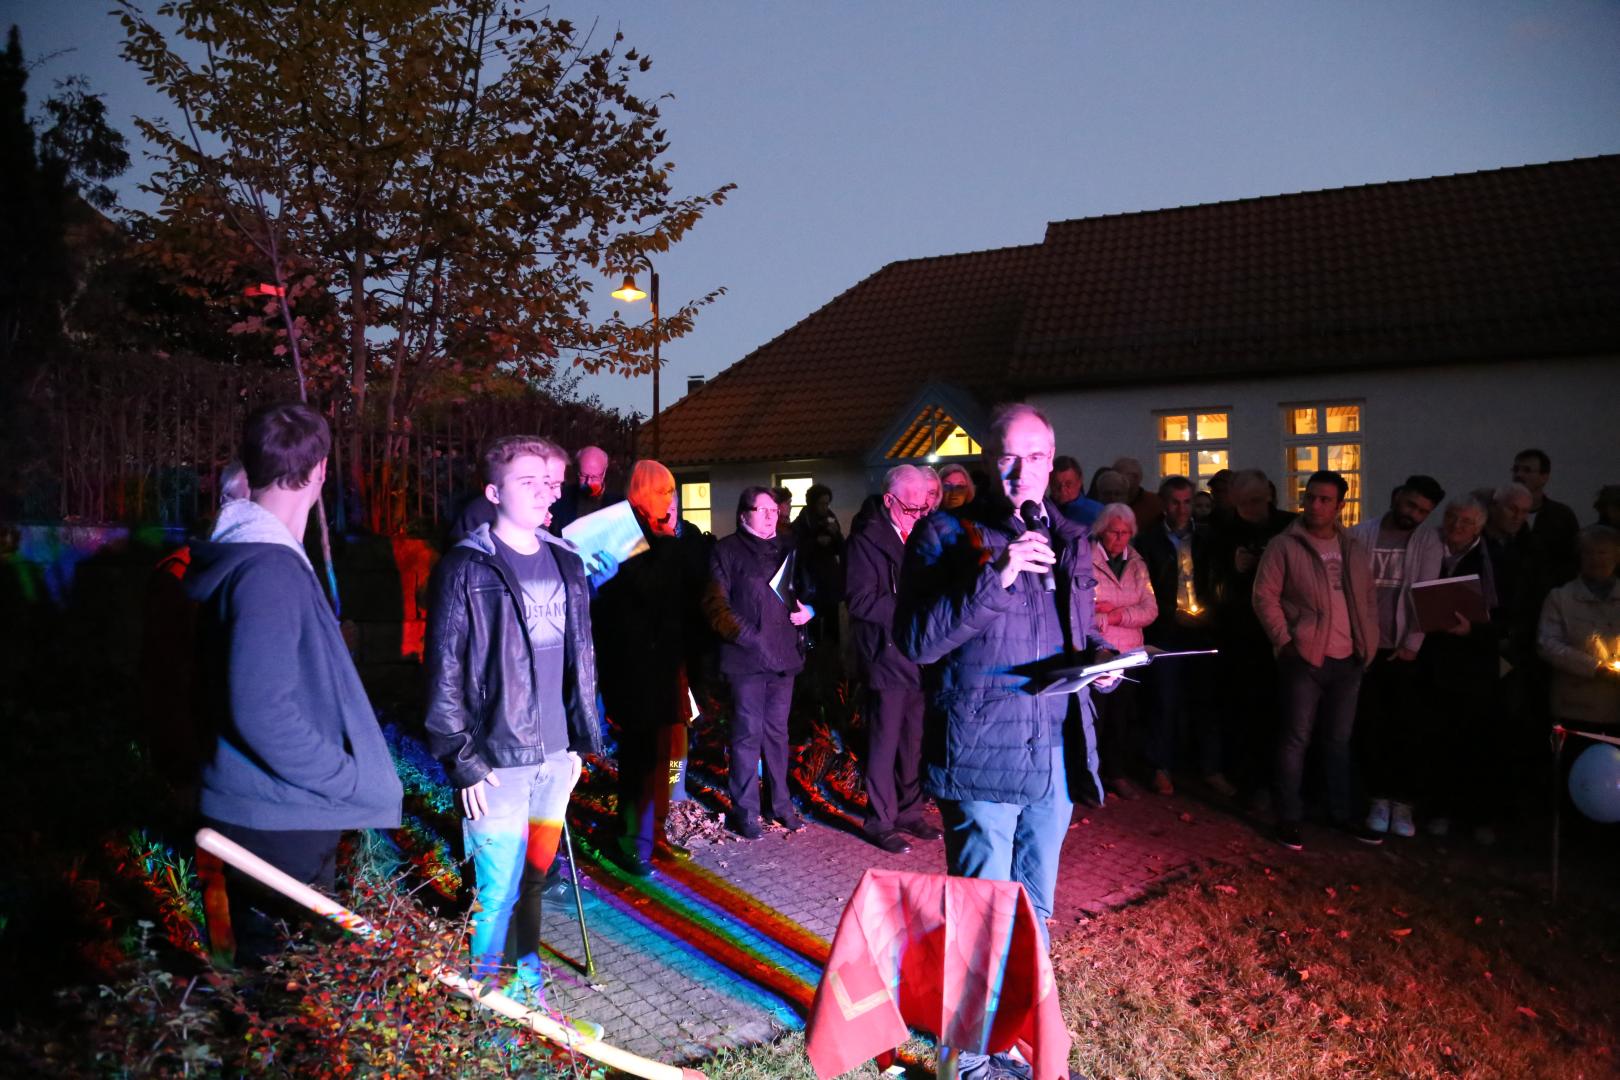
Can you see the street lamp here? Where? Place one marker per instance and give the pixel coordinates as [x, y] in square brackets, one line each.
[629, 293]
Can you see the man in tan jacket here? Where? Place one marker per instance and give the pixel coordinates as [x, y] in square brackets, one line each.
[1314, 595]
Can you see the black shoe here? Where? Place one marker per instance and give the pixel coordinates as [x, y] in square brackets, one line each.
[791, 821]
[1365, 835]
[629, 862]
[921, 830]
[892, 842]
[1288, 836]
[673, 852]
[747, 828]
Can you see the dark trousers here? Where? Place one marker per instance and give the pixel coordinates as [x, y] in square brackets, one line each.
[1180, 706]
[646, 758]
[1316, 699]
[306, 855]
[1248, 679]
[760, 705]
[1388, 733]
[1115, 725]
[894, 728]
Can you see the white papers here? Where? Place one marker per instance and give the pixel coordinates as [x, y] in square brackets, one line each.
[781, 581]
[612, 529]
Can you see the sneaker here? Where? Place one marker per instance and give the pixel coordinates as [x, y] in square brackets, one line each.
[1378, 816]
[1005, 1066]
[747, 828]
[1484, 835]
[1365, 835]
[1162, 784]
[1289, 837]
[791, 821]
[921, 830]
[1437, 826]
[1400, 819]
[1220, 785]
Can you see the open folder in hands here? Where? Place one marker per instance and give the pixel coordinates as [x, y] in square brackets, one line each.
[1069, 680]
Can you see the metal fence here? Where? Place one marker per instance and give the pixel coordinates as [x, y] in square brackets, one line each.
[142, 440]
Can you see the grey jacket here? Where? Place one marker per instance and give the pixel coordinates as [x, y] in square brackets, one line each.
[297, 743]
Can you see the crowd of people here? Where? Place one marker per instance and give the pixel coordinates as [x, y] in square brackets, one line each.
[956, 594]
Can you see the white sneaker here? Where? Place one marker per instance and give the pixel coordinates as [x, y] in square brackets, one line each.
[1437, 826]
[1378, 816]
[1400, 819]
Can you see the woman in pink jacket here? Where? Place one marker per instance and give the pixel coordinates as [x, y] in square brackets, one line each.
[1125, 605]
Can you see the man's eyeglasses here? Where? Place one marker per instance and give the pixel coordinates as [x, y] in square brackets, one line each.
[913, 511]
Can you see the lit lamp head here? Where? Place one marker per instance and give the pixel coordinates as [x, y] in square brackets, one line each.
[628, 291]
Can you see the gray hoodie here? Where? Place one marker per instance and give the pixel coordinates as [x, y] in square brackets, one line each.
[297, 744]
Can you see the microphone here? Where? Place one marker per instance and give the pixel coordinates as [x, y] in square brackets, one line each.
[1031, 513]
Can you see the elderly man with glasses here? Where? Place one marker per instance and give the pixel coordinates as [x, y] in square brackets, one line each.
[894, 702]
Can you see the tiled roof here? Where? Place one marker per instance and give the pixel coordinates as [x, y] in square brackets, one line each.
[1522, 261]
[829, 386]
[1503, 263]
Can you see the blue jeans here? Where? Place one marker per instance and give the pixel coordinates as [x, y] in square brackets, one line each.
[1011, 841]
[511, 848]
[1316, 698]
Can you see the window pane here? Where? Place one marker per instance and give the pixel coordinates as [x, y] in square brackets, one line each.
[703, 519]
[1211, 425]
[1354, 480]
[957, 444]
[798, 485]
[1175, 428]
[1344, 457]
[1350, 513]
[1343, 418]
[1302, 421]
[1174, 464]
[695, 496]
[1301, 459]
[1296, 484]
[1211, 462]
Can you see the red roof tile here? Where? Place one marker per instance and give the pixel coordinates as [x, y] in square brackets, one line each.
[1513, 262]
[829, 386]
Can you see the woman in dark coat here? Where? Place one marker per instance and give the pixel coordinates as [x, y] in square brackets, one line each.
[758, 626]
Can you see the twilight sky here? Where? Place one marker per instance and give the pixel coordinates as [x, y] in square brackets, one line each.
[859, 133]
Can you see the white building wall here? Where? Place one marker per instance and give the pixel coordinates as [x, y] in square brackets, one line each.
[1461, 424]
[846, 477]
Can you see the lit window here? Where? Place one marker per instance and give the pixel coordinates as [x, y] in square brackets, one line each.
[799, 486]
[696, 504]
[931, 436]
[1323, 437]
[1194, 444]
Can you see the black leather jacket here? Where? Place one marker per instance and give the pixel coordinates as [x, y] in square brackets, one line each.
[481, 711]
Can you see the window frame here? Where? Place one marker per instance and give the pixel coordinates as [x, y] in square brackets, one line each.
[682, 482]
[1192, 445]
[781, 480]
[1319, 441]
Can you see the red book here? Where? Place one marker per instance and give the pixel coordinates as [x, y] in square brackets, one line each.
[1439, 602]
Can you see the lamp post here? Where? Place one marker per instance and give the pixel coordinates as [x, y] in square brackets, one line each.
[629, 293]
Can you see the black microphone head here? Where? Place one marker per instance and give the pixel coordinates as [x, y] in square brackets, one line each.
[1031, 513]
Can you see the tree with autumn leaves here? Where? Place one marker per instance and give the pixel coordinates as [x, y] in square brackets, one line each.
[408, 200]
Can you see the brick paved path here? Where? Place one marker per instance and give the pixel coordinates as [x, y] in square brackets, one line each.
[668, 950]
